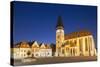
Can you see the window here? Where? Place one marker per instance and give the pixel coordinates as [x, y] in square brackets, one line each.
[24, 55]
[67, 49]
[58, 41]
[24, 50]
[86, 45]
[58, 37]
[36, 54]
[74, 51]
[21, 50]
[71, 52]
[75, 42]
[67, 42]
[48, 54]
[90, 44]
[80, 44]
[63, 51]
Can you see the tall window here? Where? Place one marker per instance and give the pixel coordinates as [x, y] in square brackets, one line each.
[86, 44]
[63, 51]
[80, 44]
[75, 42]
[90, 43]
[73, 51]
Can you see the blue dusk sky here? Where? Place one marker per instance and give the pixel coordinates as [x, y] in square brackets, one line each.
[37, 21]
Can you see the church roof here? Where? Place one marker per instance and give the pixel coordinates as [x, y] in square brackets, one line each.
[59, 23]
[77, 34]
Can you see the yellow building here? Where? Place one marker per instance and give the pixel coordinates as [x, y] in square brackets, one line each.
[31, 49]
[21, 50]
[74, 44]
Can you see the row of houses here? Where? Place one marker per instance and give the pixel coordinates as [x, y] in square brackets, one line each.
[31, 49]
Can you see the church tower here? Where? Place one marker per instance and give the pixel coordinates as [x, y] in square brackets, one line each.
[59, 36]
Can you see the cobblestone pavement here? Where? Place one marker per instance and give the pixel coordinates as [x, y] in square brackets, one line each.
[52, 60]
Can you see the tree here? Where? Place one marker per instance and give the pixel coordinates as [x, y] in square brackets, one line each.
[29, 53]
[53, 46]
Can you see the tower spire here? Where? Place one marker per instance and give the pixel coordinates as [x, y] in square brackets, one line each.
[59, 23]
[59, 36]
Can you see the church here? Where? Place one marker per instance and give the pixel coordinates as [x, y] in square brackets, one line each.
[79, 43]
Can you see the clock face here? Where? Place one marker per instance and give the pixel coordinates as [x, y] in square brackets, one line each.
[60, 31]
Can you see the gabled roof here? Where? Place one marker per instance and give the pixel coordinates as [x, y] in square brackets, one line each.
[17, 45]
[77, 34]
[24, 45]
[34, 44]
[42, 45]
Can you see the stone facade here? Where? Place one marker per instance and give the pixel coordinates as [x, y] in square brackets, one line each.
[74, 44]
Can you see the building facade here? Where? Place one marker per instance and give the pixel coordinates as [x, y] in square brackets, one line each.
[41, 50]
[25, 50]
[21, 50]
[74, 44]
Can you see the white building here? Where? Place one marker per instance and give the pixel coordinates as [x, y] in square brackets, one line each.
[41, 50]
[45, 50]
[35, 49]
